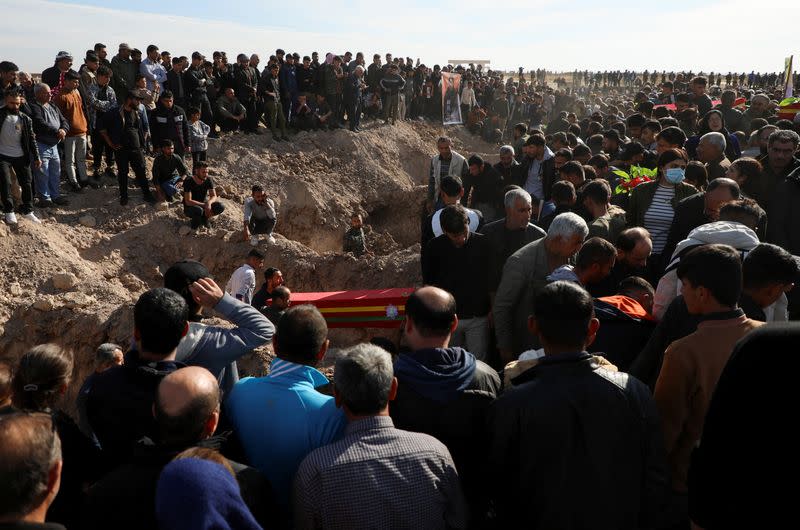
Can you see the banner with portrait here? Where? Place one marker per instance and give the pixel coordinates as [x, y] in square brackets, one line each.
[451, 98]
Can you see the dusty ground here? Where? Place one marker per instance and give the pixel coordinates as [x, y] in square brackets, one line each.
[74, 278]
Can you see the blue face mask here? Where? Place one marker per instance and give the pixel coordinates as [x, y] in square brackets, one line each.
[675, 175]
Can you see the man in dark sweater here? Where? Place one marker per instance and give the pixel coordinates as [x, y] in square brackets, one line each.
[483, 188]
[168, 172]
[458, 262]
[506, 236]
[168, 121]
[119, 405]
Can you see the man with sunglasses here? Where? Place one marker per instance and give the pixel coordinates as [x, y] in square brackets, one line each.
[30, 470]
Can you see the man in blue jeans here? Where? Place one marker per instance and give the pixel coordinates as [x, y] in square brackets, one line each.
[50, 127]
[168, 172]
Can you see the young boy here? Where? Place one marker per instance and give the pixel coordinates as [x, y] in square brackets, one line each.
[354, 238]
[149, 97]
[198, 136]
[168, 172]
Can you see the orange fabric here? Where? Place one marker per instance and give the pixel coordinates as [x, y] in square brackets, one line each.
[71, 106]
[629, 306]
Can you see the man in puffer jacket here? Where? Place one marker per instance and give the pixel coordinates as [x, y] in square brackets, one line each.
[726, 232]
[445, 392]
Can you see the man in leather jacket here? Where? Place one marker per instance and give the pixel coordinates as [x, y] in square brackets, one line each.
[575, 445]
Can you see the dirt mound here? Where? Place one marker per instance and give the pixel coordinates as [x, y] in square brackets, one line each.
[73, 279]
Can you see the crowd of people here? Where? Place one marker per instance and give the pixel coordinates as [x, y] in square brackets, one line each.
[587, 349]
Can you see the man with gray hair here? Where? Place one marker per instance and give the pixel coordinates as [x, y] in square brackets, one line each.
[507, 235]
[525, 274]
[376, 476]
[30, 470]
[105, 356]
[353, 87]
[506, 164]
[711, 152]
[50, 127]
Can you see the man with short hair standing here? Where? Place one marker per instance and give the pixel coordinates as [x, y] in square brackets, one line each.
[153, 71]
[70, 103]
[51, 128]
[281, 417]
[458, 262]
[571, 427]
[376, 476]
[18, 151]
[123, 129]
[124, 70]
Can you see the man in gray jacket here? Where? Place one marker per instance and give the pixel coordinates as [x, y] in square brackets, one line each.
[525, 274]
[212, 347]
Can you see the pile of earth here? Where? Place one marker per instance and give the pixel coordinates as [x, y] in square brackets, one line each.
[73, 279]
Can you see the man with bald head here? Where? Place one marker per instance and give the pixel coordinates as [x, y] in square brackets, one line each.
[445, 391]
[186, 410]
[699, 209]
[30, 470]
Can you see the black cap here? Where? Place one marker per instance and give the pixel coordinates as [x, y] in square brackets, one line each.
[198, 55]
[92, 58]
[73, 76]
[183, 273]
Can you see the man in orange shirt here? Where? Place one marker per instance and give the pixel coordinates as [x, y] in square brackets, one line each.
[71, 104]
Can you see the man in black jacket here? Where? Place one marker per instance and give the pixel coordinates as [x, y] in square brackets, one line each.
[195, 83]
[186, 410]
[570, 429]
[168, 122]
[445, 391]
[119, 405]
[508, 235]
[537, 171]
[458, 262]
[18, 151]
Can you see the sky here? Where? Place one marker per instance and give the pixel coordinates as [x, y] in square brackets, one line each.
[710, 35]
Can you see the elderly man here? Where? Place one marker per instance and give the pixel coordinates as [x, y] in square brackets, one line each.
[700, 209]
[18, 151]
[634, 247]
[353, 87]
[507, 235]
[759, 108]
[376, 476]
[524, 275]
[230, 113]
[506, 164]
[30, 470]
[54, 76]
[446, 163]
[711, 151]
[51, 128]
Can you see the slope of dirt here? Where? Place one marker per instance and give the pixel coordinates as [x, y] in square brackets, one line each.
[73, 279]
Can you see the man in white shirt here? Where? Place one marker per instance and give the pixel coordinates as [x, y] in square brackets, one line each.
[243, 280]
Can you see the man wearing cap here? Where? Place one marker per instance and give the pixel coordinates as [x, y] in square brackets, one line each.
[124, 69]
[123, 128]
[70, 103]
[54, 76]
[88, 73]
[195, 83]
[216, 348]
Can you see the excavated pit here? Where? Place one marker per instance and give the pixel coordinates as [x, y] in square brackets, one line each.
[73, 279]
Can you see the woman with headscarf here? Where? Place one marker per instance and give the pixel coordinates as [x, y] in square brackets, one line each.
[714, 121]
